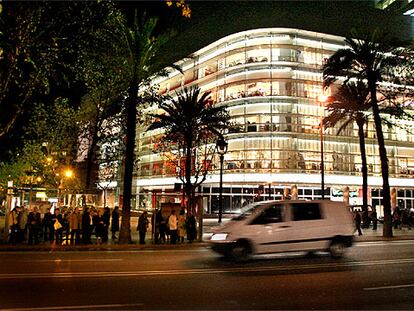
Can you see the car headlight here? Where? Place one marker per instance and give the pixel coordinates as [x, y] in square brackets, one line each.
[219, 237]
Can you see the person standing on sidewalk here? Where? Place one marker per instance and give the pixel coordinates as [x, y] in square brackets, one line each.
[33, 226]
[22, 221]
[75, 225]
[99, 223]
[115, 222]
[86, 226]
[162, 223]
[358, 223]
[142, 227]
[173, 226]
[58, 225]
[191, 225]
[181, 226]
[14, 225]
[107, 219]
[374, 219]
[48, 229]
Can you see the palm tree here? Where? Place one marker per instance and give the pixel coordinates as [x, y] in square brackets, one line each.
[368, 59]
[142, 48]
[350, 105]
[189, 122]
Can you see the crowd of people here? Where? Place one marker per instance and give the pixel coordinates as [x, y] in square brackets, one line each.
[65, 226]
[401, 218]
[62, 225]
[170, 228]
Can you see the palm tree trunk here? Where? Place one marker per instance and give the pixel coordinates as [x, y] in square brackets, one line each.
[125, 232]
[361, 135]
[387, 228]
[188, 168]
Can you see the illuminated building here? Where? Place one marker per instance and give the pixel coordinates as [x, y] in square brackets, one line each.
[270, 79]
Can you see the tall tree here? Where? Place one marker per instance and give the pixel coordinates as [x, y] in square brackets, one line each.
[352, 104]
[191, 123]
[142, 45]
[376, 61]
[39, 44]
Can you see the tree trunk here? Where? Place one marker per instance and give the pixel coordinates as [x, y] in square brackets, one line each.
[125, 232]
[361, 135]
[188, 170]
[90, 159]
[200, 218]
[387, 228]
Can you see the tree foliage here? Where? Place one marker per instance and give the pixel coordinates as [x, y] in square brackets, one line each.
[373, 59]
[192, 126]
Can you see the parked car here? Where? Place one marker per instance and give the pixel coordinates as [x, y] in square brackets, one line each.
[286, 226]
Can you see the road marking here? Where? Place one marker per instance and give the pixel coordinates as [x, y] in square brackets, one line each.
[69, 260]
[85, 307]
[60, 261]
[202, 248]
[388, 243]
[105, 274]
[389, 287]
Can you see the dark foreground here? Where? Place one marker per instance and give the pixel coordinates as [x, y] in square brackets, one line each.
[375, 275]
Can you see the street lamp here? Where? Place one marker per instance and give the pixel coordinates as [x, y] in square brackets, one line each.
[221, 149]
[67, 173]
[322, 99]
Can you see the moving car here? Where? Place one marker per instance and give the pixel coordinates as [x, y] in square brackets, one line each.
[286, 226]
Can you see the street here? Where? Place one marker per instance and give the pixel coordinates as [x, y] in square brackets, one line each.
[374, 275]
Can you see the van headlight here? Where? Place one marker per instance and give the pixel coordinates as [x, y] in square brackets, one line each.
[219, 237]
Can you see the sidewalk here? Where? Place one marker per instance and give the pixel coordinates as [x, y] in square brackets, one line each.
[376, 235]
[368, 235]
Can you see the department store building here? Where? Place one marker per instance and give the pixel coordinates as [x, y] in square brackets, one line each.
[270, 81]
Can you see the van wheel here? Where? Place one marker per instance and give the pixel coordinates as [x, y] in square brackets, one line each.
[241, 252]
[337, 249]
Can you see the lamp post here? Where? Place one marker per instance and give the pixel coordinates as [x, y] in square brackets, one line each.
[322, 99]
[221, 149]
[68, 174]
[9, 204]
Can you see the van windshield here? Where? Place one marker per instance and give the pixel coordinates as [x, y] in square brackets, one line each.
[246, 211]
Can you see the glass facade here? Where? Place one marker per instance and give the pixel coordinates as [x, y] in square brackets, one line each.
[270, 80]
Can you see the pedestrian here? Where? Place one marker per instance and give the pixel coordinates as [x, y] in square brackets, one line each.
[181, 226]
[48, 229]
[396, 218]
[107, 219]
[155, 227]
[358, 222]
[58, 225]
[66, 225]
[163, 226]
[87, 226]
[33, 226]
[98, 221]
[142, 227]
[191, 226]
[115, 222]
[22, 222]
[14, 225]
[374, 219]
[173, 227]
[75, 226]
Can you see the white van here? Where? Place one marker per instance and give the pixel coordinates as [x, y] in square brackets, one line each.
[286, 226]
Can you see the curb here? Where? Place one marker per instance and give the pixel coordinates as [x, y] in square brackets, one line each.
[94, 247]
[150, 246]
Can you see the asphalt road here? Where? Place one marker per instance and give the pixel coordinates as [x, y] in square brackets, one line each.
[374, 275]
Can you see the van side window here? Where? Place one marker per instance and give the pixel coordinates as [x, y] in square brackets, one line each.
[306, 211]
[272, 214]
